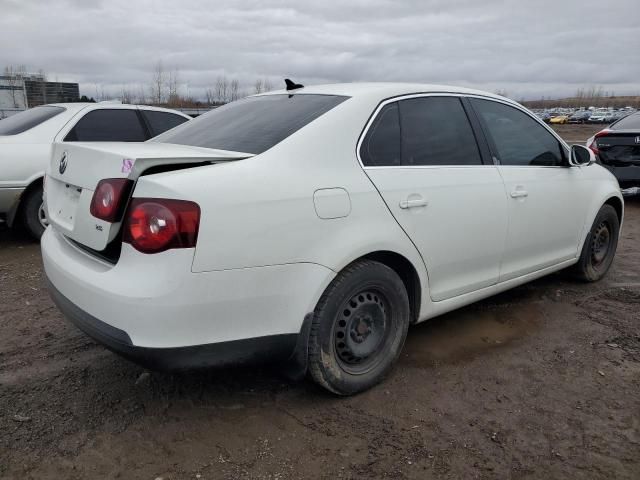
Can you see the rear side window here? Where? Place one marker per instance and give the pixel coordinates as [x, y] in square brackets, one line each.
[254, 124]
[23, 121]
[160, 122]
[108, 126]
[381, 146]
[421, 131]
[518, 139]
[436, 131]
[632, 122]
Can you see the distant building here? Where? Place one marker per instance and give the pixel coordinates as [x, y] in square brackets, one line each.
[19, 92]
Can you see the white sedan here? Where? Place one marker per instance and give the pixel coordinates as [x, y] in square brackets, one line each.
[26, 141]
[315, 225]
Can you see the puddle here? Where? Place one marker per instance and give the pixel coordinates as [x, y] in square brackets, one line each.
[467, 332]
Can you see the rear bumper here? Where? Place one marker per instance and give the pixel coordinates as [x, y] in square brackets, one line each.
[249, 350]
[628, 177]
[148, 304]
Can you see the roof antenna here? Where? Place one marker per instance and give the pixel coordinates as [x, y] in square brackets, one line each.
[291, 85]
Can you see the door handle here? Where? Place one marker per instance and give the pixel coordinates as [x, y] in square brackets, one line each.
[518, 193]
[413, 203]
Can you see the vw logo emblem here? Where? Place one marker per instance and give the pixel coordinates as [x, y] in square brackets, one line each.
[63, 163]
[637, 139]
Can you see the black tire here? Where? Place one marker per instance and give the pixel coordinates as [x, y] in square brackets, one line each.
[32, 211]
[600, 246]
[358, 329]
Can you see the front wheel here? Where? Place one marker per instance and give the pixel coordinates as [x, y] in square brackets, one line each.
[600, 246]
[359, 327]
[33, 214]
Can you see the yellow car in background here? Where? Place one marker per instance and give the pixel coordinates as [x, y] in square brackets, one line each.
[559, 119]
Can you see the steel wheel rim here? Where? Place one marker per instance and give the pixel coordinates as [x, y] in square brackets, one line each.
[42, 216]
[600, 244]
[361, 331]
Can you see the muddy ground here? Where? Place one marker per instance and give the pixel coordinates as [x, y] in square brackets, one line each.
[540, 382]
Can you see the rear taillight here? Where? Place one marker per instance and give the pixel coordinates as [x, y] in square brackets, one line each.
[593, 144]
[110, 198]
[156, 224]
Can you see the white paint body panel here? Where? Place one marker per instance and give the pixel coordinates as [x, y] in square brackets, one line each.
[466, 213]
[273, 232]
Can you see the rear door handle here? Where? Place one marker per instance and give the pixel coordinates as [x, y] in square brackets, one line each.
[519, 193]
[413, 203]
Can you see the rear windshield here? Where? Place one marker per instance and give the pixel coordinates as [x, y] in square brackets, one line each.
[252, 125]
[23, 121]
[632, 122]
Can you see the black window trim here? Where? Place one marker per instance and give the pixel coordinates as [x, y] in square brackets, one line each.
[483, 140]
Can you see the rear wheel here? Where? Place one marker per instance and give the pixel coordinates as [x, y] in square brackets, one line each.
[359, 328]
[33, 214]
[600, 246]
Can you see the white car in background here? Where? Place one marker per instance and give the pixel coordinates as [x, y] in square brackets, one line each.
[316, 224]
[26, 141]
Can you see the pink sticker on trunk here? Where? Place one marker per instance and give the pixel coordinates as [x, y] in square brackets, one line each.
[127, 165]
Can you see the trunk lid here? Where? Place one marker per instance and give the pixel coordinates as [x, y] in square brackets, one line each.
[619, 148]
[76, 168]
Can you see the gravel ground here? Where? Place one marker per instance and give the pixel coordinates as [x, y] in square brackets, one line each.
[539, 382]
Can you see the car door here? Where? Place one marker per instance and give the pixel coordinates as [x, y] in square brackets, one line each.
[422, 155]
[109, 125]
[545, 195]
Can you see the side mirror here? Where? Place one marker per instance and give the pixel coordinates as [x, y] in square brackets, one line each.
[581, 156]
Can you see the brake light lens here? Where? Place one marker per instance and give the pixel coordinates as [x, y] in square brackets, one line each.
[154, 225]
[110, 198]
[593, 145]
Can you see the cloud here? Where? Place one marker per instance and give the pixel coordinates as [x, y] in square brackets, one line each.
[528, 49]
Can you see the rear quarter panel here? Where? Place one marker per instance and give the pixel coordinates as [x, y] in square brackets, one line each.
[260, 211]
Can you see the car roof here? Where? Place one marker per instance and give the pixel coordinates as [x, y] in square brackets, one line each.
[77, 106]
[383, 90]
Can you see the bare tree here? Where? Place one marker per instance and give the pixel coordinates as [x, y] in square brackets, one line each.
[222, 89]
[258, 87]
[142, 95]
[172, 87]
[100, 95]
[126, 96]
[262, 85]
[158, 84]
[234, 90]
[210, 95]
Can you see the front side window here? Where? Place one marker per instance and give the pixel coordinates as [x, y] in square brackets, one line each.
[160, 122]
[115, 125]
[518, 139]
[23, 121]
[436, 131]
[254, 124]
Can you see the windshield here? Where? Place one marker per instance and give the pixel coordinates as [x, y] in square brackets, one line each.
[252, 125]
[23, 121]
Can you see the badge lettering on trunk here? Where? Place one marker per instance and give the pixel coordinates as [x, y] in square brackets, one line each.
[63, 163]
[127, 165]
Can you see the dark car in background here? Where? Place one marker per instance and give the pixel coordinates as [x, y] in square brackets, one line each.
[618, 150]
[580, 117]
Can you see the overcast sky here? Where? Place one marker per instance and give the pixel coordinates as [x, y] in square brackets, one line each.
[527, 48]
